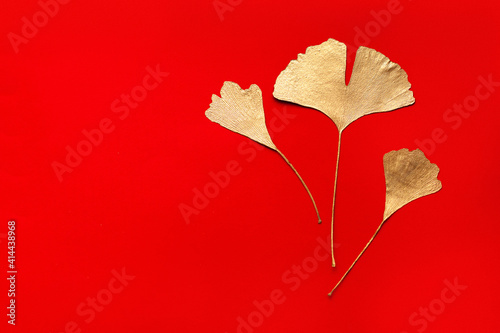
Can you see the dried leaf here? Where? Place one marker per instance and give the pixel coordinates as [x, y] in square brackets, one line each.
[409, 175]
[242, 111]
[317, 80]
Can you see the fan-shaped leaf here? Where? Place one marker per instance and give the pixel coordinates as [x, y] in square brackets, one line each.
[408, 176]
[317, 80]
[242, 111]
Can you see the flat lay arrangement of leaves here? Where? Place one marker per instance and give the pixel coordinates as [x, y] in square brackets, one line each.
[317, 80]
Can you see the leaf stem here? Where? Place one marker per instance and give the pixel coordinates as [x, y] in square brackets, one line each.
[359, 256]
[335, 194]
[303, 183]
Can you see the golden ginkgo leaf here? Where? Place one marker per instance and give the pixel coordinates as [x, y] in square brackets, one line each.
[409, 175]
[242, 111]
[317, 80]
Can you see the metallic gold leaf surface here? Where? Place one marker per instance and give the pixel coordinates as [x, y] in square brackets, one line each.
[409, 175]
[242, 111]
[317, 80]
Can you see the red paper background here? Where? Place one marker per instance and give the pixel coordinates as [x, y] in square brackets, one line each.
[119, 207]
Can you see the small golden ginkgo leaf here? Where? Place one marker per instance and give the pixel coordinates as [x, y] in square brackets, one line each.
[317, 80]
[409, 175]
[242, 111]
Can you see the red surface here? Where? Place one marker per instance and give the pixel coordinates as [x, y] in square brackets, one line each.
[119, 207]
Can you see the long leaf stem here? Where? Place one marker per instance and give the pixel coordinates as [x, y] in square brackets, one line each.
[359, 256]
[334, 195]
[303, 183]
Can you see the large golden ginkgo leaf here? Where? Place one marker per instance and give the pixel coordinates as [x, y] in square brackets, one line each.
[242, 111]
[317, 80]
